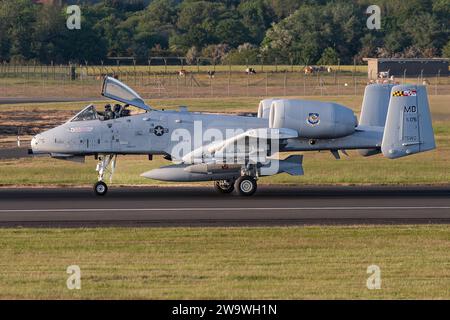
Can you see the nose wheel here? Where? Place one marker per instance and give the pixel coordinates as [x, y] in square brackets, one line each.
[100, 188]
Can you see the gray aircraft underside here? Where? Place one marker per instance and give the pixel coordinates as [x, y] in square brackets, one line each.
[234, 150]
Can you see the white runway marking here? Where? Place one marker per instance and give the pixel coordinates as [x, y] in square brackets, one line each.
[220, 209]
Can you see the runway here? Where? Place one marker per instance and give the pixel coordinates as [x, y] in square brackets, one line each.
[202, 206]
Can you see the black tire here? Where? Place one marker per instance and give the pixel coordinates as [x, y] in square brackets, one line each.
[100, 188]
[224, 187]
[246, 185]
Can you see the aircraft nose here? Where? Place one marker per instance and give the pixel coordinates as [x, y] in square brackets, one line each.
[37, 143]
[33, 142]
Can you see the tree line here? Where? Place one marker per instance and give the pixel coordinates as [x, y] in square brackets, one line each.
[224, 31]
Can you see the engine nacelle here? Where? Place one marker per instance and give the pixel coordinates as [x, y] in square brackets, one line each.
[313, 119]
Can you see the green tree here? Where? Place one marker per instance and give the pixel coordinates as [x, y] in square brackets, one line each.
[256, 17]
[18, 18]
[232, 32]
[446, 50]
[329, 57]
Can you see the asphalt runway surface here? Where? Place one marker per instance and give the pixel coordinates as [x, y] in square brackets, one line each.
[202, 206]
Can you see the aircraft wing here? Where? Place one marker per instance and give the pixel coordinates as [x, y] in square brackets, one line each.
[116, 90]
[253, 143]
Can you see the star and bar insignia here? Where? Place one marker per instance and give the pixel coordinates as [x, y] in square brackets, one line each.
[159, 131]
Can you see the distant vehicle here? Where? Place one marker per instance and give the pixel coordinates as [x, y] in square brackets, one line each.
[234, 151]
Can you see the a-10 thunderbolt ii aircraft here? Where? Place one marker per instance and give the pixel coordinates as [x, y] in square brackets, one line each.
[234, 151]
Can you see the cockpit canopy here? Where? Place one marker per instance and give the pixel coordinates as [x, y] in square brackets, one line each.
[116, 90]
[88, 113]
[91, 113]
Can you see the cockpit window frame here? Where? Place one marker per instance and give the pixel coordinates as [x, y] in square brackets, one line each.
[91, 106]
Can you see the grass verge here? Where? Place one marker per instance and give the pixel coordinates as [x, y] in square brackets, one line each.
[227, 263]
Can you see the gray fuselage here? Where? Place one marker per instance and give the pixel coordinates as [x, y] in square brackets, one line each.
[159, 132]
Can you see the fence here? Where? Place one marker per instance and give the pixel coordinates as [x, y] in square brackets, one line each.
[36, 81]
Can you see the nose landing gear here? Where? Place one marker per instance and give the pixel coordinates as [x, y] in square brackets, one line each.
[100, 188]
[106, 165]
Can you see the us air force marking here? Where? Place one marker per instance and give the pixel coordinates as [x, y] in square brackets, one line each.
[159, 131]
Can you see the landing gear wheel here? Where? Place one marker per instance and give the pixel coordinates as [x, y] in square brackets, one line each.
[100, 188]
[246, 185]
[224, 186]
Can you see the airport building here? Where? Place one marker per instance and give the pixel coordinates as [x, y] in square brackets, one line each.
[400, 67]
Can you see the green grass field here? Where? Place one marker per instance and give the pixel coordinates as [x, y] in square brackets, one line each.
[227, 263]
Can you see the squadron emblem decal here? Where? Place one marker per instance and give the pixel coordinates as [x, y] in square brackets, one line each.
[159, 131]
[405, 93]
[313, 119]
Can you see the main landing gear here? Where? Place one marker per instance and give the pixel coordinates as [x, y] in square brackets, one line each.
[105, 166]
[224, 186]
[245, 185]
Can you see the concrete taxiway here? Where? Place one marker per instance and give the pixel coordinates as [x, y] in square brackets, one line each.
[202, 206]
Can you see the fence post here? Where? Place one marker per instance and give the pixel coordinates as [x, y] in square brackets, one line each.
[304, 84]
[437, 82]
[192, 85]
[134, 72]
[338, 86]
[267, 83]
[229, 78]
[248, 83]
[210, 86]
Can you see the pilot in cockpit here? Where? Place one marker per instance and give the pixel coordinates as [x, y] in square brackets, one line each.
[109, 114]
[117, 109]
[125, 112]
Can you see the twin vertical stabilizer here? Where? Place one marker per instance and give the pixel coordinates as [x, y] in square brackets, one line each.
[408, 128]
